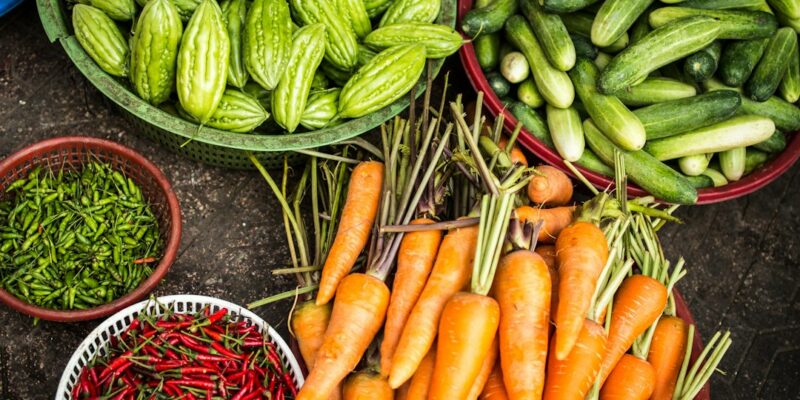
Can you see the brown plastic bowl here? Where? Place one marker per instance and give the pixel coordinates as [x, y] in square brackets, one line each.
[754, 181]
[72, 151]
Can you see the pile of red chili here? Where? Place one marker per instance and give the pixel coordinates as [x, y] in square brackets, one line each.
[182, 356]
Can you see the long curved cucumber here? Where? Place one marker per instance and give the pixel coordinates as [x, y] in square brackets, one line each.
[734, 24]
[773, 65]
[615, 18]
[785, 115]
[677, 116]
[551, 34]
[655, 90]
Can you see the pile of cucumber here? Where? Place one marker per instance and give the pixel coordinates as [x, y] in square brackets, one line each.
[695, 94]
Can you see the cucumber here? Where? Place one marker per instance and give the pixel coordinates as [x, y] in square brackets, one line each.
[773, 65]
[487, 50]
[514, 67]
[643, 169]
[554, 85]
[608, 112]
[655, 90]
[789, 8]
[640, 28]
[716, 176]
[489, 19]
[529, 94]
[723, 4]
[700, 181]
[660, 47]
[793, 23]
[615, 18]
[785, 115]
[774, 144]
[498, 83]
[790, 85]
[678, 116]
[565, 6]
[581, 23]
[732, 163]
[738, 60]
[754, 159]
[694, 165]
[551, 34]
[583, 47]
[602, 60]
[566, 131]
[532, 122]
[592, 162]
[734, 24]
[739, 131]
[703, 64]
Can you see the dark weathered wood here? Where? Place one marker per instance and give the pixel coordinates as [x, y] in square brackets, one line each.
[742, 255]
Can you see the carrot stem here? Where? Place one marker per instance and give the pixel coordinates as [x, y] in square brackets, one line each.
[326, 156]
[364, 144]
[483, 169]
[283, 271]
[581, 178]
[282, 296]
[438, 226]
[495, 211]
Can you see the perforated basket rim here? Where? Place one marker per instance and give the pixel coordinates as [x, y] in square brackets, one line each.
[84, 353]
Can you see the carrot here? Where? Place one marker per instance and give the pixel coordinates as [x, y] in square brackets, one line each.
[451, 273]
[554, 220]
[401, 393]
[494, 388]
[419, 385]
[548, 254]
[572, 377]
[357, 315]
[582, 252]
[414, 263]
[517, 156]
[550, 187]
[366, 385]
[639, 301]
[355, 224]
[631, 379]
[309, 322]
[666, 355]
[486, 370]
[522, 288]
[466, 333]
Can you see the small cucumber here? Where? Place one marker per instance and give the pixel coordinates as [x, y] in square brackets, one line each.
[774, 144]
[677, 116]
[732, 163]
[500, 85]
[773, 65]
[703, 64]
[581, 23]
[529, 94]
[615, 18]
[532, 122]
[790, 85]
[565, 6]
[608, 112]
[566, 130]
[643, 169]
[700, 181]
[602, 60]
[487, 50]
[640, 28]
[660, 47]
[592, 162]
[551, 34]
[655, 90]
[716, 176]
[789, 8]
[489, 19]
[723, 4]
[738, 60]
[754, 159]
[553, 84]
[583, 47]
[514, 67]
[694, 165]
[734, 24]
[739, 131]
[785, 115]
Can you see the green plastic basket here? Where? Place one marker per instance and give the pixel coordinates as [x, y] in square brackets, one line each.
[213, 146]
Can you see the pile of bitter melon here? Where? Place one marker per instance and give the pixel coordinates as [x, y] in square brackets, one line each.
[311, 63]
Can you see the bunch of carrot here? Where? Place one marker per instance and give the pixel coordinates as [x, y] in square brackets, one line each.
[503, 288]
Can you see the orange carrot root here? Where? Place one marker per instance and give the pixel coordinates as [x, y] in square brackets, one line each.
[355, 224]
[517, 156]
[666, 355]
[486, 370]
[550, 188]
[631, 379]
[572, 377]
[495, 388]
[366, 386]
[420, 384]
[554, 220]
[309, 322]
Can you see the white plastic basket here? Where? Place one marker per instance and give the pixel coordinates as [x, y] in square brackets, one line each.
[96, 342]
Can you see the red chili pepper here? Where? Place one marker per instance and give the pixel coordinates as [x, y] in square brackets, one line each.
[190, 396]
[123, 393]
[213, 318]
[237, 377]
[151, 350]
[275, 360]
[168, 365]
[77, 390]
[212, 334]
[198, 370]
[253, 342]
[174, 325]
[211, 358]
[279, 394]
[287, 379]
[192, 344]
[219, 348]
[169, 354]
[116, 364]
[252, 396]
[273, 381]
[170, 390]
[197, 383]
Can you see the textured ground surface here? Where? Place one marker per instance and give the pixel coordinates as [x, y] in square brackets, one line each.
[743, 255]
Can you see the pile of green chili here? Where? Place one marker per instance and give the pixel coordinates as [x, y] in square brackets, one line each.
[76, 239]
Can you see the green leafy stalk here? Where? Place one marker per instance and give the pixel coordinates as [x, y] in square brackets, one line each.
[495, 216]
